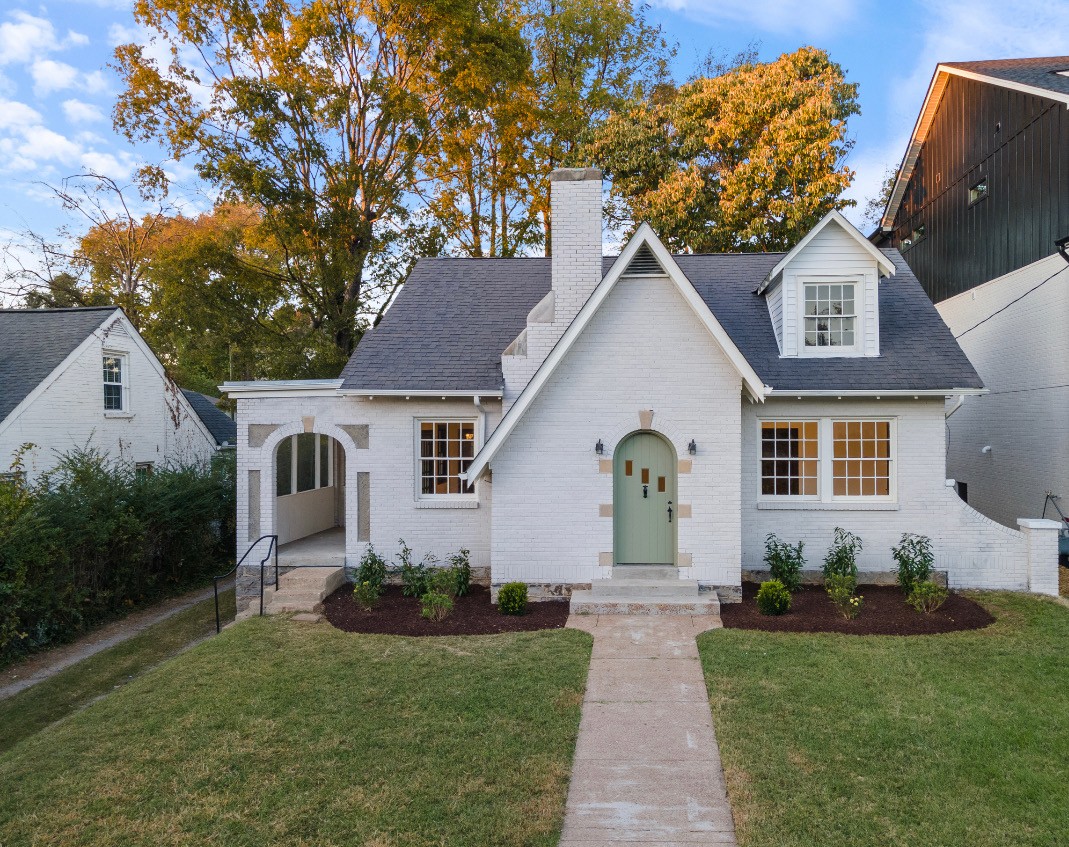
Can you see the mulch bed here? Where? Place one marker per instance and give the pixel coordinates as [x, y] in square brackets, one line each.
[472, 614]
[885, 612]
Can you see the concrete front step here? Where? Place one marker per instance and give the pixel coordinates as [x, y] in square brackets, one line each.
[290, 595]
[326, 579]
[660, 572]
[585, 603]
[619, 588]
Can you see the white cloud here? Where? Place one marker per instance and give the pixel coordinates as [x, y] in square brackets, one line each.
[50, 75]
[79, 112]
[15, 115]
[816, 19]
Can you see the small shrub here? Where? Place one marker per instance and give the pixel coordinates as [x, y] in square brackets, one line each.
[435, 606]
[773, 598]
[512, 598]
[366, 594]
[460, 565]
[841, 559]
[915, 559]
[841, 589]
[413, 576]
[442, 581]
[372, 570]
[785, 561]
[927, 596]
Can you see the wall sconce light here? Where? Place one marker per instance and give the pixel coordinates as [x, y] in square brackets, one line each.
[692, 448]
[599, 448]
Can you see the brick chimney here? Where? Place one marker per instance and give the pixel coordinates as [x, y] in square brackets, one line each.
[575, 203]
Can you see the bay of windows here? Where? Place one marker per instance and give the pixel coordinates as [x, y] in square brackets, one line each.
[826, 458]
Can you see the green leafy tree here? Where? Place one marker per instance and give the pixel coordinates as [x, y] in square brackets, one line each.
[747, 160]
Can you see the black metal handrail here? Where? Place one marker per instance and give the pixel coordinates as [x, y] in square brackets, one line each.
[272, 548]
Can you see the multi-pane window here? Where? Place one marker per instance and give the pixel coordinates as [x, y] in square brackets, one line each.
[830, 315]
[446, 450]
[303, 463]
[789, 455]
[861, 464]
[113, 383]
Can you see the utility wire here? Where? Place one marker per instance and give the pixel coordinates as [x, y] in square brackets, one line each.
[1015, 300]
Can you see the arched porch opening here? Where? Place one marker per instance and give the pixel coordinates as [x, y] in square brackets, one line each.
[310, 494]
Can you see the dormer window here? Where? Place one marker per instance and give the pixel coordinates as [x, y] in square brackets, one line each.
[830, 315]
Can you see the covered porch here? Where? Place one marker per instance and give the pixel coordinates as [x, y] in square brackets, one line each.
[326, 548]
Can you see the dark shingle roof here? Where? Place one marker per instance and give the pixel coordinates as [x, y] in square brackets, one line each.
[454, 317]
[220, 425]
[1040, 72]
[33, 343]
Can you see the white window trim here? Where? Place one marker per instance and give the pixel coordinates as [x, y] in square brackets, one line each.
[124, 365]
[825, 458]
[417, 467]
[293, 464]
[858, 347]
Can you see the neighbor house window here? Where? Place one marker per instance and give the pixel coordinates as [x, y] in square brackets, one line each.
[304, 462]
[143, 470]
[827, 459]
[446, 449]
[861, 463]
[830, 315]
[789, 457]
[115, 379]
[978, 191]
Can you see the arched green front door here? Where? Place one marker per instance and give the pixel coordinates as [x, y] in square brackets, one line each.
[644, 488]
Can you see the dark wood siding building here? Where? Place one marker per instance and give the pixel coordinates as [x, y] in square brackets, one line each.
[987, 190]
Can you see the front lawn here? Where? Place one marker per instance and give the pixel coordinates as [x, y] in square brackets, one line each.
[953, 740]
[294, 734]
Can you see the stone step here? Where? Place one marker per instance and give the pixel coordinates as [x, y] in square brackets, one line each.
[324, 578]
[663, 572]
[290, 595]
[623, 589]
[282, 606]
[584, 603]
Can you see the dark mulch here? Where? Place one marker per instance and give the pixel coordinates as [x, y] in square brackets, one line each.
[885, 612]
[472, 614]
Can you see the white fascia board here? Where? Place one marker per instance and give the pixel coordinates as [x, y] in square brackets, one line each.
[282, 388]
[423, 393]
[895, 392]
[644, 235]
[882, 262]
[43, 385]
[927, 115]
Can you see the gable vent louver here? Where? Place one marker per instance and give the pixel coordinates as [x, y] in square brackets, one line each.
[644, 263]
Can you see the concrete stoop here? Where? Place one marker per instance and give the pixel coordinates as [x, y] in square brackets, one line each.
[644, 590]
[301, 590]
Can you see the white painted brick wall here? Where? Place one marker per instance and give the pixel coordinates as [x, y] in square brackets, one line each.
[70, 414]
[976, 551]
[1019, 354]
[644, 349]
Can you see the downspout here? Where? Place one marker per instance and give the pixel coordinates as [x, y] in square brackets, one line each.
[481, 409]
[1063, 246]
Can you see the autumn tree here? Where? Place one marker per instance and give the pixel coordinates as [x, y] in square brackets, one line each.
[321, 113]
[746, 160]
[876, 205]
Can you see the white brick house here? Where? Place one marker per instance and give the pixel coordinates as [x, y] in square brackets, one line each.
[559, 417]
[84, 378]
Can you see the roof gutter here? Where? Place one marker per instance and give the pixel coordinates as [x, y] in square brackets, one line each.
[393, 392]
[878, 394]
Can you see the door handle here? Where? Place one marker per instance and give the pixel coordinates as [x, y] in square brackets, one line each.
[669, 511]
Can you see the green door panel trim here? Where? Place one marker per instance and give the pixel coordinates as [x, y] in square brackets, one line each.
[645, 485]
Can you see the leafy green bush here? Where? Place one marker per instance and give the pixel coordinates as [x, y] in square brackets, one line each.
[366, 594]
[92, 538]
[785, 561]
[435, 606]
[413, 576]
[372, 570]
[442, 581]
[512, 598]
[773, 598]
[927, 596]
[842, 590]
[915, 559]
[460, 565]
[841, 558]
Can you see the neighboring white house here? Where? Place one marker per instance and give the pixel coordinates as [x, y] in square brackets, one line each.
[561, 416]
[84, 377]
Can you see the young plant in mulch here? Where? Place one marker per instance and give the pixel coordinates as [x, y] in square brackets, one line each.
[927, 596]
[372, 571]
[842, 590]
[413, 576]
[785, 561]
[773, 598]
[914, 557]
[512, 598]
[460, 567]
[841, 558]
[435, 606]
[366, 594]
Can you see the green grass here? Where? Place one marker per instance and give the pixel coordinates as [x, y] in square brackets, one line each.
[296, 734]
[946, 740]
[48, 701]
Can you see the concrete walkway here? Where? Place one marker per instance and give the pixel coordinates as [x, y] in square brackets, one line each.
[647, 767]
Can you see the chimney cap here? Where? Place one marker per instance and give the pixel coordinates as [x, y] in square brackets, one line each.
[574, 174]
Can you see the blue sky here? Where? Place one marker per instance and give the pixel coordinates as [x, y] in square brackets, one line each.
[56, 91]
